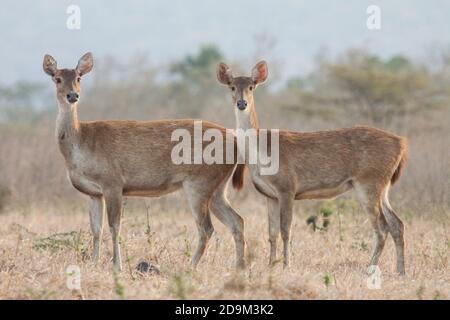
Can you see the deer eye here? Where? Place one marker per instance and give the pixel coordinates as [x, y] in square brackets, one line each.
[78, 79]
[58, 80]
[233, 88]
[250, 88]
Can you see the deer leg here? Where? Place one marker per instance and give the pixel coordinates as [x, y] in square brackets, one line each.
[381, 231]
[370, 199]
[205, 231]
[96, 212]
[114, 211]
[200, 210]
[223, 211]
[273, 211]
[286, 207]
[396, 229]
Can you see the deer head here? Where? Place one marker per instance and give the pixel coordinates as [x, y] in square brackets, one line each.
[67, 81]
[242, 88]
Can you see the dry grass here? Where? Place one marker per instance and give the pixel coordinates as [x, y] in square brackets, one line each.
[37, 202]
[325, 264]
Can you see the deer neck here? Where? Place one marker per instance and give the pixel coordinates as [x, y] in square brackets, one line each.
[247, 119]
[67, 128]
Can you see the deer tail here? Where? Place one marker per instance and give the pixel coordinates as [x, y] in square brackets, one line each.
[401, 165]
[238, 176]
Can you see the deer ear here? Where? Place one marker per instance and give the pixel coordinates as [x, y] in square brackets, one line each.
[49, 65]
[260, 72]
[85, 64]
[224, 74]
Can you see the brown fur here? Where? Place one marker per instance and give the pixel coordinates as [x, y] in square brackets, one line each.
[107, 160]
[325, 164]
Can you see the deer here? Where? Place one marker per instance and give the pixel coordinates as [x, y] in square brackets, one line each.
[322, 165]
[109, 160]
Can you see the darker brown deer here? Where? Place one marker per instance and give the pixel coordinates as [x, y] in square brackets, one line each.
[108, 160]
[320, 165]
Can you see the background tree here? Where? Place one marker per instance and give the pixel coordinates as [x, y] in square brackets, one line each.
[196, 70]
[363, 87]
[380, 90]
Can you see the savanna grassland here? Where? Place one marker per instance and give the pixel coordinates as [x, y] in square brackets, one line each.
[37, 247]
[44, 222]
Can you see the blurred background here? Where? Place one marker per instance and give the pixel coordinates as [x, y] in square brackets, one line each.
[157, 59]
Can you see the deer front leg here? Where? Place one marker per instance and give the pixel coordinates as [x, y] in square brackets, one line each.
[96, 211]
[114, 211]
[273, 211]
[286, 207]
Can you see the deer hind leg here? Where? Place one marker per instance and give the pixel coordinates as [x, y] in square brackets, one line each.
[396, 229]
[96, 213]
[370, 200]
[286, 207]
[273, 210]
[200, 210]
[223, 211]
[113, 200]
[381, 231]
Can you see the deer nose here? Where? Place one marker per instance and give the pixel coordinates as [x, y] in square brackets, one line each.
[72, 97]
[241, 104]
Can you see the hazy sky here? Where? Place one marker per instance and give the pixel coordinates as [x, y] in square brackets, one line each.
[167, 30]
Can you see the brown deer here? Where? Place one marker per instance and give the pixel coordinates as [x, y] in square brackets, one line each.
[108, 160]
[320, 165]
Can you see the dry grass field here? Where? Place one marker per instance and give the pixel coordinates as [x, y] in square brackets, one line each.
[44, 221]
[326, 264]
